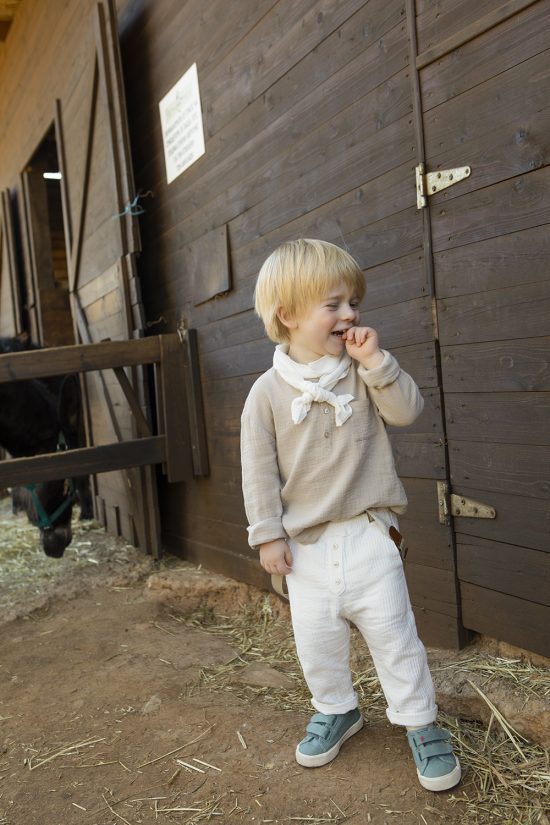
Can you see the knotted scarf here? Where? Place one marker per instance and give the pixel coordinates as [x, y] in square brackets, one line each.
[328, 369]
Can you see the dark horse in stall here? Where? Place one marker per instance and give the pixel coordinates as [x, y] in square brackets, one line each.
[42, 416]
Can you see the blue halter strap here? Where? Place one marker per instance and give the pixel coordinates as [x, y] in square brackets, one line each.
[45, 522]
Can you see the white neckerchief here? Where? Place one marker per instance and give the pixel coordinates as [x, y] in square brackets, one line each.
[329, 369]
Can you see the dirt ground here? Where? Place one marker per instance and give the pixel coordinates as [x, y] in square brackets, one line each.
[111, 711]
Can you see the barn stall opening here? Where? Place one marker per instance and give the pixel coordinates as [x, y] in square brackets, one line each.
[335, 120]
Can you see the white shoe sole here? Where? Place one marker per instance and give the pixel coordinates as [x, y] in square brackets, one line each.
[441, 783]
[324, 758]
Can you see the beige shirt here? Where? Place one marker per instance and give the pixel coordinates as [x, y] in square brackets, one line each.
[298, 477]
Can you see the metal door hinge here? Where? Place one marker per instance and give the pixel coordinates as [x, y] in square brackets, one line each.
[460, 506]
[428, 183]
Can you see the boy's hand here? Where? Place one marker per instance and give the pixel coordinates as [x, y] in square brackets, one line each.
[276, 558]
[362, 344]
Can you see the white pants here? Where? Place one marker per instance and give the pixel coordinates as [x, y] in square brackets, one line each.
[355, 573]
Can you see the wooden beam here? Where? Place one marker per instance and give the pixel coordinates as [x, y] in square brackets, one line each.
[195, 408]
[174, 418]
[8, 241]
[20, 366]
[83, 461]
[76, 249]
[61, 156]
[141, 422]
[110, 68]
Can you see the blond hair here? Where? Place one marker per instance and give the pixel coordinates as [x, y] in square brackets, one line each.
[297, 274]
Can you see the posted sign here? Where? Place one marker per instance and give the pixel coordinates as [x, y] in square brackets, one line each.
[181, 121]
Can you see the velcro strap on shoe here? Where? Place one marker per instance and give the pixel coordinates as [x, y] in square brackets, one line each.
[430, 735]
[435, 749]
[318, 729]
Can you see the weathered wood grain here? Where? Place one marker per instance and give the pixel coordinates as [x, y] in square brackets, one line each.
[516, 571]
[524, 522]
[493, 264]
[436, 21]
[329, 110]
[40, 363]
[440, 630]
[83, 461]
[342, 50]
[10, 297]
[509, 206]
[334, 221]
[419, 456]
[501, 417]
[235, 565]
[507, 137]
[486, 56]
[476, 28]
[360, 132]
[402, 325]
[429, 542]
[518, 469]
[519, 621]
[432, 588]
[497, 366]
[515, 312]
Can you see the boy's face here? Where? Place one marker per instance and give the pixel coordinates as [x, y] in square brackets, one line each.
[315, 333]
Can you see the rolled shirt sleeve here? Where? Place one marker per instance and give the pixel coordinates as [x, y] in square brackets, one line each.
[394, 392]
[260, 481]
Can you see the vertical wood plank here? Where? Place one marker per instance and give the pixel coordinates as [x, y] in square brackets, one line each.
[459, 632]
[195, 406]
[173, 397]
[76, 247]
[9, 274]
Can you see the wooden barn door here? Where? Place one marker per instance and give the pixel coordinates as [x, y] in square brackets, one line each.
[102, 241]
[10, 301]
[483, 72]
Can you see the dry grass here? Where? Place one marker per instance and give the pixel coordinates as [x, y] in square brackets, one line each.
[524, 677]
[506, 779]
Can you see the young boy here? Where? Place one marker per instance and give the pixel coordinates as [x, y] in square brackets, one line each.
[321, 496]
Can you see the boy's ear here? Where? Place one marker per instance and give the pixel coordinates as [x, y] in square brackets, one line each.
[286, 319]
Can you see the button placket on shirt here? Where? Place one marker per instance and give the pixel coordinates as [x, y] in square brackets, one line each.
[336, 571]
[326, 433]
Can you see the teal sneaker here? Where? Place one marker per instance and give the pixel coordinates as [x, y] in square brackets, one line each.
[325, 737]
[437, 767]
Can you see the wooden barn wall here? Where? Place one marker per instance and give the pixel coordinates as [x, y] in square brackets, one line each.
[310, 128]
[49, 55]
[307, 111]
[486, 103]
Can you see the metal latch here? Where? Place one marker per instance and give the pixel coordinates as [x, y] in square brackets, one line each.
[432, 182]
[457, 506]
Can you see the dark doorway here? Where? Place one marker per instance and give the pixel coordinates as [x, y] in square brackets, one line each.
[46, 266]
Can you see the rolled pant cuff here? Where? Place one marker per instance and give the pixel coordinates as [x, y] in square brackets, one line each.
[425, 717]
[343, 707]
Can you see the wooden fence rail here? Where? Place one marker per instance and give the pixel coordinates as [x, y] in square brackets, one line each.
[42, 363]
[180, 445]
